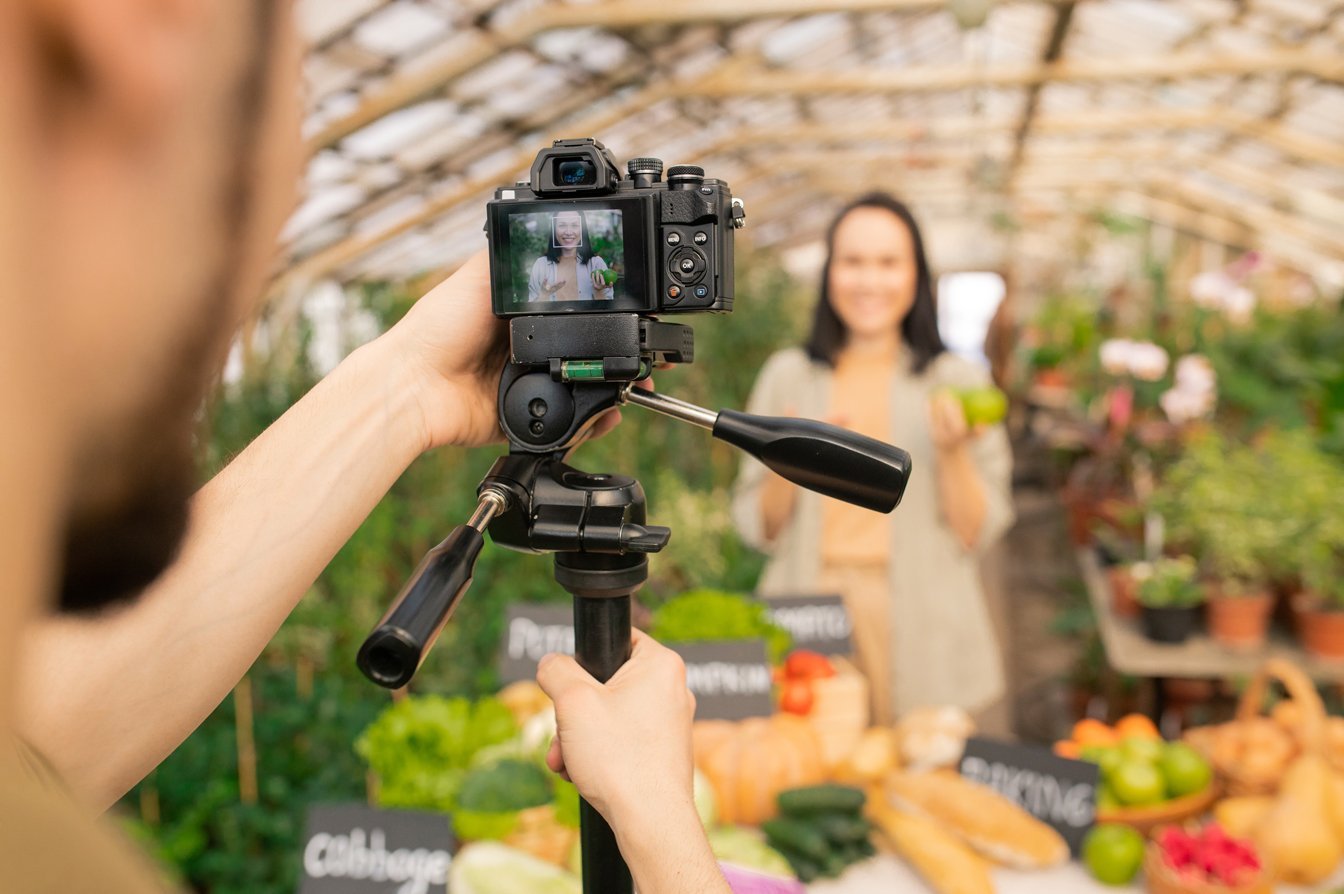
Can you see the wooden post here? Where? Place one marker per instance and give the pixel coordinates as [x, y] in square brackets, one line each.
[247, 745]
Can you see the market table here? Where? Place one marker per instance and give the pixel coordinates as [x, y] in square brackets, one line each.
[1130, 652]
[886, 874]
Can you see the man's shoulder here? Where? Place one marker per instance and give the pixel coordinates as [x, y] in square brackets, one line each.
[50, 844]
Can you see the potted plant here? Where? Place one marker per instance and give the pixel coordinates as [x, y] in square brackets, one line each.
[1320, 606]
[1217, 500]
[1171, 599]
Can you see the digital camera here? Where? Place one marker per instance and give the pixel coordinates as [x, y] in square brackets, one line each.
[578, 238]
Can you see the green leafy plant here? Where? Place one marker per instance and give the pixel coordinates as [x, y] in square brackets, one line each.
[716, 615]
[420, 748]
[1322, 564]
[1169, 583]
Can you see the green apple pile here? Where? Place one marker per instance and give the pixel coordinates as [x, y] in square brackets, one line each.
[1139, 772]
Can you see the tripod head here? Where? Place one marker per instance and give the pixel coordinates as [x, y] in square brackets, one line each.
[531, 501]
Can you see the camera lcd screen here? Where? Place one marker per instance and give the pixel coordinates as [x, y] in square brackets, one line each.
[568, 257]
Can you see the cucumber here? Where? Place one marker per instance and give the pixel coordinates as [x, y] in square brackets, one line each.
[834, 865]
[821, 799]
[799, 837]
[842, 828]
[804, 867]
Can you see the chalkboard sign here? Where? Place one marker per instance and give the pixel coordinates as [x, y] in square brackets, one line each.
[1055, 790]
[531, 631]
[730, 679]
[355, 849]
[818, 623]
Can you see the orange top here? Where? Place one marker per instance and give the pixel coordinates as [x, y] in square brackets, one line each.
[860, 402]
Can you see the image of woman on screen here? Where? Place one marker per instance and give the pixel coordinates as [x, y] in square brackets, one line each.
[570, 270]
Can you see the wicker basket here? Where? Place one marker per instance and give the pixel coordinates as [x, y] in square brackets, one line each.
[1148, 817]
[1162, 880]
[1272, 747]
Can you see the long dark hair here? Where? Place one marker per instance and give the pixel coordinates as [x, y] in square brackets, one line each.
[585, 250]
[919, 328]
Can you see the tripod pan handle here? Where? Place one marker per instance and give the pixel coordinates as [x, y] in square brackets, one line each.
[394, 650]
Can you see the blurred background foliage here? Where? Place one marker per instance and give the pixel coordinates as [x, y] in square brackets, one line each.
[308, 702]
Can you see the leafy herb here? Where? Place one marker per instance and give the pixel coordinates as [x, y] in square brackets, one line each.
[716, 615]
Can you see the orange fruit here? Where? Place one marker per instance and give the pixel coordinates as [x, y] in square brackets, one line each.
[1068, 748]
[1136, 726]
[1093, 732]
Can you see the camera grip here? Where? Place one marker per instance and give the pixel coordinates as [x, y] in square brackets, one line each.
[824, 458]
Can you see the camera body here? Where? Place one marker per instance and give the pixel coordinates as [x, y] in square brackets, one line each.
[578, 238]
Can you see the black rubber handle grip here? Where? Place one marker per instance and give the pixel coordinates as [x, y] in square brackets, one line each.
[393, 652]
[824, 458]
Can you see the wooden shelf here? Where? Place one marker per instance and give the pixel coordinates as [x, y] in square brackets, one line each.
[1130, 652]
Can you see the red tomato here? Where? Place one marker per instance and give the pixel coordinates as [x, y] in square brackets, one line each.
[805, 665]
[796, 697]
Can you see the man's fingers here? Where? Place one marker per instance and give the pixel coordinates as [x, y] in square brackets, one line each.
[558, 674]
[555, 759]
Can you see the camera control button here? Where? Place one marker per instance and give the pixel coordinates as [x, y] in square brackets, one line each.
[700, 237]
[674, 293]
[702, 291]
[673, 238]
[687, 265]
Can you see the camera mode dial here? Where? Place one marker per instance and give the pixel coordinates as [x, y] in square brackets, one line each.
[652, 166]
[685, 176]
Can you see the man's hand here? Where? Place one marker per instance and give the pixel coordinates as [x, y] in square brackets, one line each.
[452, 349]
[626, 744]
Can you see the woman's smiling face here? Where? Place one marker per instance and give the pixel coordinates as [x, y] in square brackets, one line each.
[568, 229]
[873, 272]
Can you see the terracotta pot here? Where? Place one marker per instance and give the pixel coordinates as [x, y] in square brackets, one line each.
[1241, 621]
[1320, 630]
[1051, 378]
[1124, 591]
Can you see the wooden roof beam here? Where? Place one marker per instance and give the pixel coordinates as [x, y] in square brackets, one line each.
[1326, 66]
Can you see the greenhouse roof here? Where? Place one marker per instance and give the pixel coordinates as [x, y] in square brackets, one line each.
[1216, 118]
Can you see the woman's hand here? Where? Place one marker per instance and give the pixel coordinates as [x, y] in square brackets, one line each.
[551, 288]
[600, 283]
[947, 422]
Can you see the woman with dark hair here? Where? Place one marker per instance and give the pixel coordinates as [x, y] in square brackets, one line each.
[569, 270]
[875, 363]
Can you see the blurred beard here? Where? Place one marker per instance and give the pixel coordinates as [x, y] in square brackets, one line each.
[120, 541]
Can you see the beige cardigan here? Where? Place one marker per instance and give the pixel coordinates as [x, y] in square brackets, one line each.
[943, 645]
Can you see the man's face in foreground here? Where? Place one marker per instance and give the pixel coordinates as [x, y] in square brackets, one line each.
[162, 140]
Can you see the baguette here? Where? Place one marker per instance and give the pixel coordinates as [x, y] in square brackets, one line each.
[984, 819]
[946, 864]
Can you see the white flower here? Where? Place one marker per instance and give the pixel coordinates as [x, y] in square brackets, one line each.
[1210, 289]
[1147, 361]
[1238, 304]
[1185, 406]
[1114, 355]
[1195, 375]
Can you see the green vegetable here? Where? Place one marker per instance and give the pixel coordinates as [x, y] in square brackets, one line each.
[421, 746]
[842, 828]
[716, 615]
[508, 786]
[834, 864]
[747, 848]
[806, 870]
[821, 799]
[798, 836]
[490, 868]
[566, 804]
